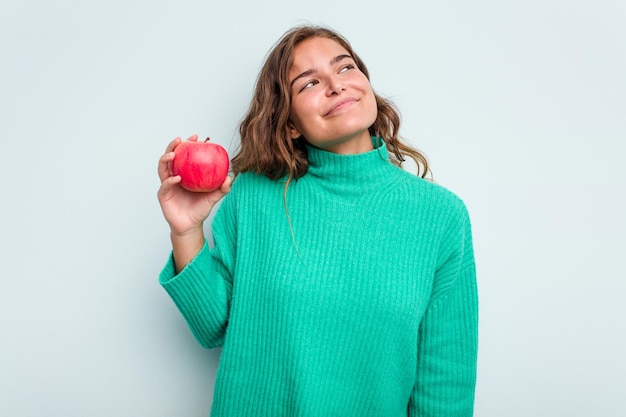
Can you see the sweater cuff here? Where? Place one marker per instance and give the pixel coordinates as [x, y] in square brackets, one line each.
[201, 295]
[168, 273]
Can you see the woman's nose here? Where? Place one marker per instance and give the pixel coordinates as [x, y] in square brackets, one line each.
[336, 87]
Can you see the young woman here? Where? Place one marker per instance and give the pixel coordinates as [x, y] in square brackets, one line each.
[338, 284]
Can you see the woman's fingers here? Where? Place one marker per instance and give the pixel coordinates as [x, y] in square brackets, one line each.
[164, 165]
[174, 143]
[217, 195]
[166, 186]
[225, 187]
[168, 156]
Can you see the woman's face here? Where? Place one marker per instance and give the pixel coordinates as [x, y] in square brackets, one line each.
[332, 101]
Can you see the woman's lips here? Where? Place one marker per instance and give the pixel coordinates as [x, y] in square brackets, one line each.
[341, 105]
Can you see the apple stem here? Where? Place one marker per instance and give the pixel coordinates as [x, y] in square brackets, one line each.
[207, 139]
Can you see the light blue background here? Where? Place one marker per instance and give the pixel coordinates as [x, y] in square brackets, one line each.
[520, 106]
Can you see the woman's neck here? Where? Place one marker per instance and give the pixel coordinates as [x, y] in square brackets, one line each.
[351, 145]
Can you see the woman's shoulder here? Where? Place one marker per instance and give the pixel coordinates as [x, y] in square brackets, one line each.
[425, 191]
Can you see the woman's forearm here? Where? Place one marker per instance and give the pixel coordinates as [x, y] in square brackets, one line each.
[186, 246]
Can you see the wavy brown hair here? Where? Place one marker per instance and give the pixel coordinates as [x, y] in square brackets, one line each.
[266, 147]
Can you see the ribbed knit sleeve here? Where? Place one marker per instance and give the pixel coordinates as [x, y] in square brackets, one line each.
[447, 351]
[202, 290]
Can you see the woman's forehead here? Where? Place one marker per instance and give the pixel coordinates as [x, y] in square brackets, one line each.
[316, 52]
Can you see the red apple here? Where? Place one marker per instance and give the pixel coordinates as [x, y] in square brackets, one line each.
[202, 166]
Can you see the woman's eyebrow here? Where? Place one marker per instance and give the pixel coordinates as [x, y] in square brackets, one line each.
[308, 72]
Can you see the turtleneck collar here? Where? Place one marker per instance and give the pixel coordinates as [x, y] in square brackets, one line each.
[351, 173]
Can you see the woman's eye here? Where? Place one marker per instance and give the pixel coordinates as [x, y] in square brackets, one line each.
[308, 85]
[346, 68]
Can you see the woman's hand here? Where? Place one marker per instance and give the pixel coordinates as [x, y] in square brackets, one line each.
[184, 210]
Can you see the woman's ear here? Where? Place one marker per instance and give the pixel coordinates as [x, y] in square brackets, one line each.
[292, 131]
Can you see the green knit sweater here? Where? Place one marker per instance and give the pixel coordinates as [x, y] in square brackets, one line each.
[365, 305]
